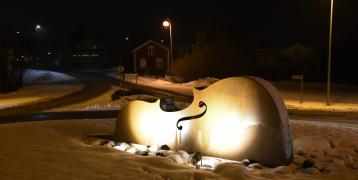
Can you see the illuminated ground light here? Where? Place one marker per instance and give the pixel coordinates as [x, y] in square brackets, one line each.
[205, 162]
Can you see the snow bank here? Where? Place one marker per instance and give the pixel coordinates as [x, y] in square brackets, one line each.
[40, 86]
[179, 88]
[61, 150]
[32, 76]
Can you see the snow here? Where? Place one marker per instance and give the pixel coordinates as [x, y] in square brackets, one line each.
[179, 88]
[32, 76]
[103, 102]
[118, 104]
[62, 149]
[344, 98]
[40, 86]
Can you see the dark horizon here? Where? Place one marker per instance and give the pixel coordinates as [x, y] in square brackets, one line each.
[267, 24]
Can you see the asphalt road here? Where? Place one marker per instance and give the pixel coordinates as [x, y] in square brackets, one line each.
[94, 86]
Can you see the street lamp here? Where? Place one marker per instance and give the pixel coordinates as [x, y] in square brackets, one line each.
[168, 23]
[329, 57]
[37, 29]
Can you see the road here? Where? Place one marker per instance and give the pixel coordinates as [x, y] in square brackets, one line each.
[98, 84]
[95, 85]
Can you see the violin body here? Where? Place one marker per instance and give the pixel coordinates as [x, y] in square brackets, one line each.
[238, 118]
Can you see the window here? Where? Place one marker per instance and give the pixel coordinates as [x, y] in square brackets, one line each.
[150, 50]
[143, 63]
[159, 63]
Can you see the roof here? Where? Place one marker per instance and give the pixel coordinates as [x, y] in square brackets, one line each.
[148, 42]
[305, 51]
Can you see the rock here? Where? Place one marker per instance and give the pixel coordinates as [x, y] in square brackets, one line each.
[196, 158]
[153, 148]
[326, 170]
[184, 155]
[209, 162]
[160, 154]
[298, 160]
[308, 163]
[164, 147]
[311, 171]
[256, 166]
[108, 143]
[144, 153]
[309, 144]
[300, 152]
[354, 165]
[334, 143]
[347, 158]
[317, 154]
[176, 158]
[125, 145]
[133, 150]
[163, 153]
[232, 170]
[246, 162]
[338, 162]
[282, 170]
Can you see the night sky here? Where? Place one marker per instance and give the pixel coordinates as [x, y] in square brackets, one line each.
[267, 23]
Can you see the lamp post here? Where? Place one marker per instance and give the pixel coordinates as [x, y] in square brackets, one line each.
[168, 23]
[329, 57]
[37, 29]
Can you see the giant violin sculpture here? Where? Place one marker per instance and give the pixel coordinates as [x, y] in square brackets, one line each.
[235, 118]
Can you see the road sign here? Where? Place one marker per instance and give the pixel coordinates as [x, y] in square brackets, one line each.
[297, 76]
[120, 69]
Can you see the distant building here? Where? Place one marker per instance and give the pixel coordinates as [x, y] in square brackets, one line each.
[266, 57]
[151, 58]
[298, 54]
[182, 50]
[88, 54]
[280, 64]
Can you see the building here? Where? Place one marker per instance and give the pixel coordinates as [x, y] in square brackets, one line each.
[281, 64]
[88, 54]
[151, 58]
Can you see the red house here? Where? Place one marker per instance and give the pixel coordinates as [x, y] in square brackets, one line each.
[151, 58]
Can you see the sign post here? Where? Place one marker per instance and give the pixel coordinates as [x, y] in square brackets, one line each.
[120, 70]
[299, 77]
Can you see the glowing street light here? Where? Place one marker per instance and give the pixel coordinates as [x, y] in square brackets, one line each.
[329, 57]
[168, 23]
[37, 29]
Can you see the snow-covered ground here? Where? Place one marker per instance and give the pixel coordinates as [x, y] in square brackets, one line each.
[344, 100]
[39, 86]
[62, 150]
